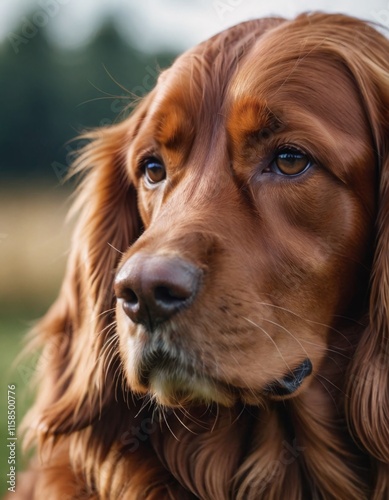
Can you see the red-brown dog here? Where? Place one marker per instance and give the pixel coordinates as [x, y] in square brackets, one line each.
[239, 220]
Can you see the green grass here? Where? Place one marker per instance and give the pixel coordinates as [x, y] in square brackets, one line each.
[12, 332]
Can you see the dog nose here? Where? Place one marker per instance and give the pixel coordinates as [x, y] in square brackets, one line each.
[153, 288]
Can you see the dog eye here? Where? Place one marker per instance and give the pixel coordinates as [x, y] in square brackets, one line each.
[154, 170]
[290, 161]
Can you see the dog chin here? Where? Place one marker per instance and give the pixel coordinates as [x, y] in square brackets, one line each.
[178, 388]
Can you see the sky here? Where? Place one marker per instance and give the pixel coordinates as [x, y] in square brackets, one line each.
[165, 24]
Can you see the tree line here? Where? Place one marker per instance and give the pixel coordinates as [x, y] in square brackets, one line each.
[49, 95]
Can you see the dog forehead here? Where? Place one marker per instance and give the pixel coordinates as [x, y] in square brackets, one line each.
[302, 53]
[287, 70]
[198, 80]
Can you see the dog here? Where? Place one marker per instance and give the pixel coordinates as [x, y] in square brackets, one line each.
[222, 331]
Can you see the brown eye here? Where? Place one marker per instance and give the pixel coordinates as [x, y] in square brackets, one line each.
[291, 162]
[154, 171]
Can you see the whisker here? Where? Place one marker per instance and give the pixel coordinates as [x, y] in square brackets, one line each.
[317, 376]
[127, 91]
[269, 337]
[120, 379]
[328, 349]
[192, 418]
[106, 312]
[287, 331]
[108, 343]
[116, 249]
[108, 97]
[306, 319]
[238, 364]
[183, 424]
[146, 401]
[216, 418]
[111, 357]
[168, 426]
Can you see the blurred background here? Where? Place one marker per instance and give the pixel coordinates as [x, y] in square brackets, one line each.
[66, 66]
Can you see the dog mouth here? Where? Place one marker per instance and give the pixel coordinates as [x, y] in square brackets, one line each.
[176, 382]
[290, 383]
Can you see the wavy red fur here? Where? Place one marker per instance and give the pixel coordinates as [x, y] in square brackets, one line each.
[292, 268]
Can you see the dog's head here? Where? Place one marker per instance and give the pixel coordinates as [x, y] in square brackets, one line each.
[241, 215]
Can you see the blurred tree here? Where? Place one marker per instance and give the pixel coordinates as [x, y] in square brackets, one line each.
[48, 95]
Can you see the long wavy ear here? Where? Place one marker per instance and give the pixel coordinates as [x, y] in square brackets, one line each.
[78, 333]
[368, 382]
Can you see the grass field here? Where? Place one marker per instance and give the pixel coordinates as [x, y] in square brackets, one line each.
[33, 248]
[12, 332]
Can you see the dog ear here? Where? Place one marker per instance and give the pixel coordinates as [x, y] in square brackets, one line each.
[368, 380]
[78, 334]
[368, 404]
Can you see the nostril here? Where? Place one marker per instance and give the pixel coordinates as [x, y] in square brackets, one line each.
[130, 297]
[130, 300]
[168, 295]
[130, 303]
[127, 294]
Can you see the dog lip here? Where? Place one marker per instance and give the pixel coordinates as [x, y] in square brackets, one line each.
[291, 382]
[176, 382]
